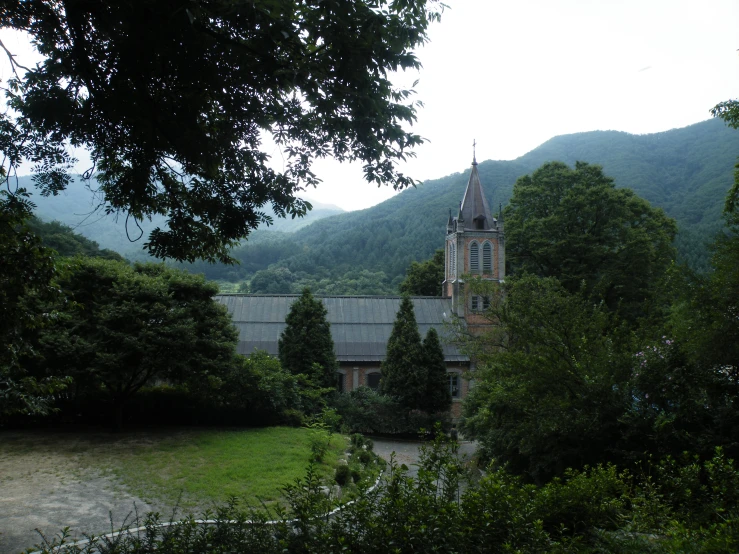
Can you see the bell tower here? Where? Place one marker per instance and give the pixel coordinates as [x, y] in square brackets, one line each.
[475, 246]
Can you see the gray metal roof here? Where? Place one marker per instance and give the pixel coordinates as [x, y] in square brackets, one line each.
[360, 325]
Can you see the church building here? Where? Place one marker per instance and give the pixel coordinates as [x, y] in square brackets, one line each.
[361, 325]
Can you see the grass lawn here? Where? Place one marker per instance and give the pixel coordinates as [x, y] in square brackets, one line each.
[203, 466]
[196, 467]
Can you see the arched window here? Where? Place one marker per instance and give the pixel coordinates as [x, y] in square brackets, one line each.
[474, 258]
[487, 258]
[453, 380]
[373, 380]
[452, 260]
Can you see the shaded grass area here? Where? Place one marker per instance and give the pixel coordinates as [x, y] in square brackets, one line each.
[252, 465]
[192, 468]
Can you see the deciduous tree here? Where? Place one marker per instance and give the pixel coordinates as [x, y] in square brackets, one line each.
[575, 225]
[26, 274]
[175, 100]
[425, 278]
[121, 328]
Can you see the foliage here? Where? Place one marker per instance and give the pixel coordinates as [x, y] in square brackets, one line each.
[404, 374]
[272, 281]
[425, 278]
[438, 397]
[66, 242]
[551, 396]
[26, 274]
[342, 475]
[364, 410]
[259, 385]
[280, 280]
[121, 328]
[113, 77]
[675, 506]
[575, 225]
[305, 346]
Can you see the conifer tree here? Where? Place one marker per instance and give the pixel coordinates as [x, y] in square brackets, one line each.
[404, 375]
[306, 340]
[438, 398]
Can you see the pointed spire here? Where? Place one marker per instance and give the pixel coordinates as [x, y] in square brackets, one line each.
[460, 217]
[474, 208]
[450, 222]
[500, 211]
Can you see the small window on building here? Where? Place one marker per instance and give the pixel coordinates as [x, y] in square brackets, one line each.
[487, 258]
[452, 260]
[474, 258]
[479, 303]
[480, 223]
[373, 381]
[453, 380]
[340, 382]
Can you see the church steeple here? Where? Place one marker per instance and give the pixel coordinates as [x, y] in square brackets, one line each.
[475, 246]
[475, 212]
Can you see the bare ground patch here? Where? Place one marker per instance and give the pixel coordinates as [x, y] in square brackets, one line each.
[50, 480]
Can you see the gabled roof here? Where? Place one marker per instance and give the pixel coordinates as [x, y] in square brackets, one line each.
[474, 205]
[360, 325]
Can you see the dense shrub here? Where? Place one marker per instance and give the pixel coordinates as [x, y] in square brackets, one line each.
[364, 410]
[342, 475]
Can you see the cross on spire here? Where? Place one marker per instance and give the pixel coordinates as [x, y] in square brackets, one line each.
[474, 157]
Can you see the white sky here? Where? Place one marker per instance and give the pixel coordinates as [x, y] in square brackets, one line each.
[513, 74]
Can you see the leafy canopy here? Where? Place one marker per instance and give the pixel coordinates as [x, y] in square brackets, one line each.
[424, 278]
[575, 225]
[121, 328]
[26, 274]
[176, 101]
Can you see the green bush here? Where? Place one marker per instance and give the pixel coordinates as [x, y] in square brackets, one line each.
[364, 410]
[364, 457]
[343, 474]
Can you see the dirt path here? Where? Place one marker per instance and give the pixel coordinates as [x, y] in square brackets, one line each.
[47, 482]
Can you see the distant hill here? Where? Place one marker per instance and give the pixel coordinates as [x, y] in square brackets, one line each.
[687, 172]
[79, 208]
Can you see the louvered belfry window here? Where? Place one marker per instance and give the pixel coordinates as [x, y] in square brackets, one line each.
[474, 258]
[487, 258]
[452, 260]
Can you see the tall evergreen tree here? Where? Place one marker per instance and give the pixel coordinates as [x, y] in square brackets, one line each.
[404, 374]
[438, 397]
[306, 340]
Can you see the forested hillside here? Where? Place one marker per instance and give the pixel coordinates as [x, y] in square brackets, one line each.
[687, 172]
[684, 171]
[79, 208]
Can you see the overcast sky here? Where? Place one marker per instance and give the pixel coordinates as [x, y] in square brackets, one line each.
[513, 74]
